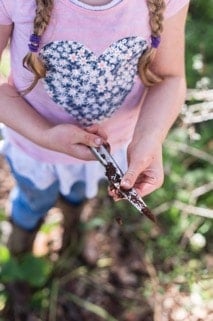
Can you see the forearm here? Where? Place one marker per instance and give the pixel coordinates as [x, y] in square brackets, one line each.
[67, 138]
[17, 114]
[160, 109]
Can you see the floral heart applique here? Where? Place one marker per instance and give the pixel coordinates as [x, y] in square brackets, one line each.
[88, 87]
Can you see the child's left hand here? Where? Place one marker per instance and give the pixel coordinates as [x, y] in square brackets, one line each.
[145, 171]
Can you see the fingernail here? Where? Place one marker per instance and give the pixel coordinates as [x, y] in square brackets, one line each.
[126, 183]
[98, 141]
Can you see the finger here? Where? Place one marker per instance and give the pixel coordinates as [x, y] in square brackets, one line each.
[81, 152]
[89, 139]
[135, 169]
[98, 130]
[149, 183]
[114, 194]
[146, 189]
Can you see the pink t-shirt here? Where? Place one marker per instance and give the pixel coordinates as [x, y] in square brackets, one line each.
[91, 59]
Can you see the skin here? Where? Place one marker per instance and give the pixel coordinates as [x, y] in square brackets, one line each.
[161, 107]
[159, 111]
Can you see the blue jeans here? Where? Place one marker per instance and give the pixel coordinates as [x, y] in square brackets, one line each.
[30, 204]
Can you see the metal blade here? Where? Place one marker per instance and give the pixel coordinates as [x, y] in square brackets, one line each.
[114, 175]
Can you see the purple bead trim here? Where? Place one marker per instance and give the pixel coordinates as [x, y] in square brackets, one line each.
[34, 43]
[155, 41]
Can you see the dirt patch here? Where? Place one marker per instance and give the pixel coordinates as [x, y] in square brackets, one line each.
[106, 274]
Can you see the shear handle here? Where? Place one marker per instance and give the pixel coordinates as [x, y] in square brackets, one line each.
[98, 155]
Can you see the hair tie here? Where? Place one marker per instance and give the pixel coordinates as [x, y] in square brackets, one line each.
[155, 41]
[34, 42]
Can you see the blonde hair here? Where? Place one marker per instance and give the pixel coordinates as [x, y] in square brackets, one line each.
[156, 9]
[33, 63]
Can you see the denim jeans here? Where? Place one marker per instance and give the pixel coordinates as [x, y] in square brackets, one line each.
[30, 204]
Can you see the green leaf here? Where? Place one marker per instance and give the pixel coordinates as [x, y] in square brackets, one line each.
[4, 254]
[10, 271]
[35, 270]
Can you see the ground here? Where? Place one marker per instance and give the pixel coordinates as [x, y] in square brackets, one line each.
[105, 275]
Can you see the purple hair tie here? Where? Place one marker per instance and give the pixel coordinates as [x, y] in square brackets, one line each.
[155, 41]
[34, 42]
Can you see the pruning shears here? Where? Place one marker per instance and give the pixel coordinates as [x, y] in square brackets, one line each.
[114, 175]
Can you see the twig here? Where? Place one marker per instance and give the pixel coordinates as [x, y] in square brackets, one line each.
[204, 107]
[77, 273]
[90, 307]
[53, 301]
[162, 208]
[199, 211]
[199, 191]
[195, 94]
[201, 110]
[188, 208]
[198, 108]
[155, 286]
[189, 150]
[197, 113]
[190, 231]
[194, 119]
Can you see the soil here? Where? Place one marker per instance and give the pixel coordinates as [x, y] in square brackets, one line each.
[104, 275]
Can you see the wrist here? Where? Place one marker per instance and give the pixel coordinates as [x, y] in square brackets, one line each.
[42, 133]
[152, 134]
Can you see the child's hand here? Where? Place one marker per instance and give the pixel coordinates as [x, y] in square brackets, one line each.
[145, 170]
[73, 140]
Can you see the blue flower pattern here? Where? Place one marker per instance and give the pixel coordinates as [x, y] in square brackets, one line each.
[88, 87]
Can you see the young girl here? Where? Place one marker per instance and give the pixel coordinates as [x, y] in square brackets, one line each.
[83, 73]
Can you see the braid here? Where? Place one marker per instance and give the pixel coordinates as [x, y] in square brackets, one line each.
[156, 9]
[31, 61]
[43, 13]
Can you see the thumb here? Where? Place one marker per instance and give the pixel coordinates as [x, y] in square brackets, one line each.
[131, 175]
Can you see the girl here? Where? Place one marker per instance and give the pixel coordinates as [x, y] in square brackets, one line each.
[83, 73]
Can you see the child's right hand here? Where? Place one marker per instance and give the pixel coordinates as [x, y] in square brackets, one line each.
[64, 138]
[74, 140]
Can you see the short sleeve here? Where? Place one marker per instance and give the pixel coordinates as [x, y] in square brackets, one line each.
[173, 6]
[5, 18]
